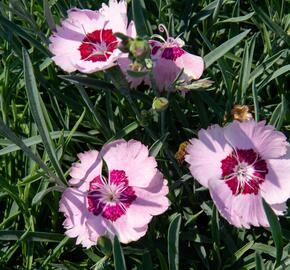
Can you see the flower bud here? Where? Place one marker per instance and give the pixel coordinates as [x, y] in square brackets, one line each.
[124, 45]
[160, 104]
[139, 48]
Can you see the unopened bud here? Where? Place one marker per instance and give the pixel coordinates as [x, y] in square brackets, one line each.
[124, 45]
[139, 48]
[160, 104]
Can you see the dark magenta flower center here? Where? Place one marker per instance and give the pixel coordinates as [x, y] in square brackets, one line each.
[110, 198]
[244, 171]
[172, 53]
[169, 50]
[98, 45]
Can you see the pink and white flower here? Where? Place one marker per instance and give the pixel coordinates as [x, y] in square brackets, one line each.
[169, 59]
[85, 41]
[241, 164]
[121, 203]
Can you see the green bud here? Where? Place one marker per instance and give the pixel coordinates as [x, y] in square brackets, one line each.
[139, 48]
[160, 104]
[125, 42]
[105, 245]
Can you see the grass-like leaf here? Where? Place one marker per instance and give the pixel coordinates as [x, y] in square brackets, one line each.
[14, 28]
[138, 8]
[173, 243]
[88, 82]
[48, 15]
[119, 260]
[221, 50]
[259, 262]
[37, 113]
[275, 230]
[157, 146]
[5, 131]
[32, 236]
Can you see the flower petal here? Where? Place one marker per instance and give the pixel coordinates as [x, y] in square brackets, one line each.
[131, 30]
[265, 140]
[133, 158]
[73, 205]
[205, 154]
[90, 166]
[123, 229]
[115, 14]
[276, 187]
[150, 201]
[165, 72]
[242, 210]
[191, 64]
[279, 208]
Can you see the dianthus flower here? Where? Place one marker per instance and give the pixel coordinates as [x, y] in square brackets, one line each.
[241, 164]
[169, 59]
[121, 201]
[85, 41]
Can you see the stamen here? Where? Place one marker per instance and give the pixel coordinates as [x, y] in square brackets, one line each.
[162, 28]
[159, 37]
[239, 171]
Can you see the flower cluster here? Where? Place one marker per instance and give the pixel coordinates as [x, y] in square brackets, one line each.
[85, 41]
[118, 190]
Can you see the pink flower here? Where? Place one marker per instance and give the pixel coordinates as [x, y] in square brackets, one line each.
[121, 203]
[241, 164]
[169, 59]
[85, 40]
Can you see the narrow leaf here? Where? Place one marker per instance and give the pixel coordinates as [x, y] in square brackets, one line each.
[16, 30]
[100, 123]
[274, 75]
[237, 19]
[259, 262]
[5, 131]
[54, 135]
[275, 230]
[48, 15]
[157, 146]
[40, 195]
[221, 50]
[33, 236]
[119, 260]
[36, 111]
[88, 82]
[138, 8]
[173, 243]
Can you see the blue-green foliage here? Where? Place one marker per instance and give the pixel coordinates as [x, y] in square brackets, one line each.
[48, 116]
